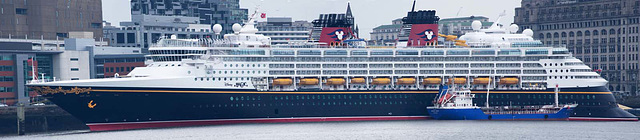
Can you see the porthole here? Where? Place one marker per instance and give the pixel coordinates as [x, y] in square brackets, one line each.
[225, 65]
[236, 65]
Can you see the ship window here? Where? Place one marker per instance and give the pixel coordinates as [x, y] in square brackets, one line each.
[509, 52]
[309, 52]
[407, 52]
[335, 52]
[536, 51]
[458, 52]
[484, 52]
[359, 52]
[382, 52]
[432, 52]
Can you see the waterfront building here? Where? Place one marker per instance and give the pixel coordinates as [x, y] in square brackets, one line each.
[224, 12]
[77, 58]
[49, 19]
[21, 64]
[602, 33]
[387, 33]
[144, 30]
[107, 61]
[461, 25]
[284, 30]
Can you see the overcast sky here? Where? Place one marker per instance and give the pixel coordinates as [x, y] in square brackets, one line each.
[368, 13]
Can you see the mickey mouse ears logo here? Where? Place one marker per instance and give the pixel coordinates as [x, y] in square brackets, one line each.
[427, 35]
[338, 34]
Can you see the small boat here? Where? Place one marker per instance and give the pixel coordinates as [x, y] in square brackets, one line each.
[457, 104]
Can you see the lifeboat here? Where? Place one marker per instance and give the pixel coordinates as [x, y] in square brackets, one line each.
[357, 80]
[406, 81]
[381, 81]
[336, 81]
[459, 81]
[431, 81]
[309, 81]
[509, 81]
[481, 81]
[282, 81]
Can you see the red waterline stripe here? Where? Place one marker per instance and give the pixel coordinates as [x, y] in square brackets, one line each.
[601, 119]
[141, 125]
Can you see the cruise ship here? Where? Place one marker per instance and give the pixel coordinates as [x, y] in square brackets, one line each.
[241, 78]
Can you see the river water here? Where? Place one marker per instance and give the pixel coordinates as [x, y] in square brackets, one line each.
[383, 130]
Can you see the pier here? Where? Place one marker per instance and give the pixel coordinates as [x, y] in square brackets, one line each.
[37, 119]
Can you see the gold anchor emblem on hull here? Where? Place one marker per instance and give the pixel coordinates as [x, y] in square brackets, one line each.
[91, 104]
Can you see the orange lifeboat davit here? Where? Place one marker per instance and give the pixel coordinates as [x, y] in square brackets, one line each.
[432, 81]
[381, 81]
[309, 81]
[337, 81]
[458, 81]
[282, 81]
[357, 80]
[406, 81]
[481, 81]
[509, 81]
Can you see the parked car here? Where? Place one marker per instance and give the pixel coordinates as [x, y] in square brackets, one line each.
[3, 105]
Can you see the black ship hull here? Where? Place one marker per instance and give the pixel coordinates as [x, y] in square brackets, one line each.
[103, 108]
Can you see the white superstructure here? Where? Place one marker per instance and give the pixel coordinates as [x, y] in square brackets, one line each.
[245, 60]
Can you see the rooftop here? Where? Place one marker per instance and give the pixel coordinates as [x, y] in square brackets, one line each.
[388, 27]
[463, 18]
[466, 23]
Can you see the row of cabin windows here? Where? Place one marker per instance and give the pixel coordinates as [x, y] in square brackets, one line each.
[457, 65]
[514, 52]
[383, 59]
[372, 103]
[222, 79]
[350, 97]
[312, 104]
[243, 65]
